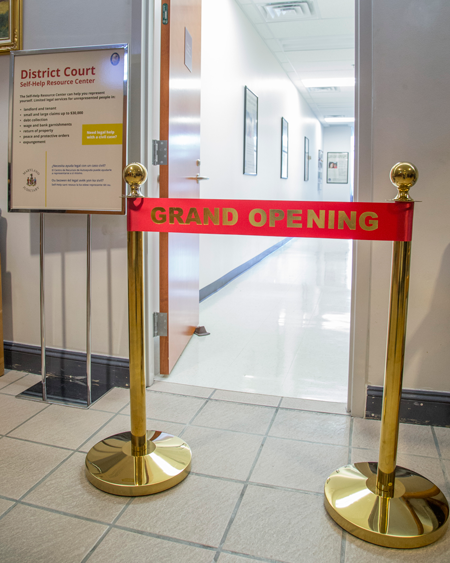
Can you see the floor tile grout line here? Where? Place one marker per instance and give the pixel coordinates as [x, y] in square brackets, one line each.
[13, 382]
[163, 537]
[350, 442]
[251, 557]
[107, 531]
[256, 484]
[27, 420]
[113, 416]
[231, 521]
[96, 544]
[245, 487]
[40, 443]
[8, 510]
[441, 461]
[343, 546]
[61, 512]
[206, 401]
[281, 397]
[262, 435]
[36, 485]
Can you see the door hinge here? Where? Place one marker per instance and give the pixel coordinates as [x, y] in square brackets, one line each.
[159, 324]
[159, 152]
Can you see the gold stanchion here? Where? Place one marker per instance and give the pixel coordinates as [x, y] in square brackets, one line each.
[380, 502]
[139, 462]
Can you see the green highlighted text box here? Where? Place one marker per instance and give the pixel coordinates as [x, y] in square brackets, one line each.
[102, 134]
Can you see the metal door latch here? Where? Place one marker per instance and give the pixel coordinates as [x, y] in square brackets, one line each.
[159, 153]
[159, 324]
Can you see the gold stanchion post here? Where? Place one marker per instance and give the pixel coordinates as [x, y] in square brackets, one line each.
[380, 502]
[139, 462]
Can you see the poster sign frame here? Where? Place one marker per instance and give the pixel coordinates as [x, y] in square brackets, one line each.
[120, 118]
[284, 149]
[337, 162]
[250, 133]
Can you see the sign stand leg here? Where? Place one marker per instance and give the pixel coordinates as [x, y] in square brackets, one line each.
[139, 462]
[380, 502]
[42, 306]
[88, 314]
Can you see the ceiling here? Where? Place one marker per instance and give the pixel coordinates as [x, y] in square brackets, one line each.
[311, 39]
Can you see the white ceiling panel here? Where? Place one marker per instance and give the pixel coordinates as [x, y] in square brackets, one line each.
[323, 67]
[253, 14]
[323, 55]
[321, 45]
[288, 67]
[336, 8]
[318, 43]
[274, 45]
[326, 74]
[312, 28]
[282, 57]
[264, 31]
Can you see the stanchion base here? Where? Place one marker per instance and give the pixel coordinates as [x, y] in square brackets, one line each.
[111, 467]
[416, 516]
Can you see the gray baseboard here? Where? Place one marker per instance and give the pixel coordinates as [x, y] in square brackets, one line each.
[417, 406]
[66, 372]
[217, 285]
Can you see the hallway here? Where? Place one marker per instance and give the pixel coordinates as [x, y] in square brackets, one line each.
[281, 328]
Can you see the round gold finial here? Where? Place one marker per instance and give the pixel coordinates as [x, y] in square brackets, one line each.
[135, 174]
[404, 175]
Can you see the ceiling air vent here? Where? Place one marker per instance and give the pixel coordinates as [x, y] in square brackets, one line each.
[318, 89]
[284, 11]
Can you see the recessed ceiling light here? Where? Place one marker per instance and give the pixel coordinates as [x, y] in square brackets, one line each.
[326, 82]
[339, 119]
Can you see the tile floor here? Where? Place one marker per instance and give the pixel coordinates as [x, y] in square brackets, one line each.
[254, 494]
[281, 328]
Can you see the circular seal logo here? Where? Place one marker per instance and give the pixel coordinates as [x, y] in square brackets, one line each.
[31, 180]
[115, 59]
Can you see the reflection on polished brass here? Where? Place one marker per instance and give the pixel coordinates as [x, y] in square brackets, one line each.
[404, 175]
[380, 502]
[414, 516]
[135, 174]
[136, 342]
[139, 462]
[111, 466]
[393, 376]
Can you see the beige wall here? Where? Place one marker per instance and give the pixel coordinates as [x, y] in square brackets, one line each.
[404, 116]
[48, 23]
[235, 56]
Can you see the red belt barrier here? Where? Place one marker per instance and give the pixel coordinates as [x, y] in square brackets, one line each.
[361, 221]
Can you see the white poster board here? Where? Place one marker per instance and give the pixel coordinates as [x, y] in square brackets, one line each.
[337, 168]
[68, 130]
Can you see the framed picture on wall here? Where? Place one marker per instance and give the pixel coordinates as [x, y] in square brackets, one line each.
[337, 168]
[307, 158]
[10, 25]
[320, 171]
[250, 133]
[284, 148]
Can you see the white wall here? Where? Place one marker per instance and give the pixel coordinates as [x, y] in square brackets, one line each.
[49, 23]
[337, 138]
[409, 121]
[235, 56]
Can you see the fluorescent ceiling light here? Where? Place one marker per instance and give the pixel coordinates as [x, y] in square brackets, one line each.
[326, 82]
[339, 119]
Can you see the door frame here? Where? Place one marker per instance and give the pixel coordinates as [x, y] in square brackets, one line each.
[363, 191]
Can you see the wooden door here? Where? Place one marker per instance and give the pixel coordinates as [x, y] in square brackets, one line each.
[180, 126]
